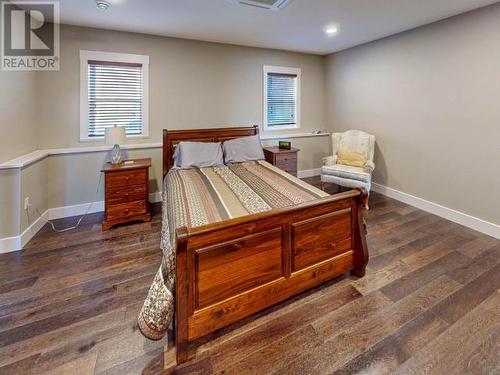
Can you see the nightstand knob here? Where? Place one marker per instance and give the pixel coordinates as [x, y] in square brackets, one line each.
[126, 210]
[127, 178]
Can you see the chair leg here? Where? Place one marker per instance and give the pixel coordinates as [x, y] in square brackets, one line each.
[339, 188]
[322, 185]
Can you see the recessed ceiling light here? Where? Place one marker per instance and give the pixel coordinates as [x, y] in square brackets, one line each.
[102, 4]
[331, 30]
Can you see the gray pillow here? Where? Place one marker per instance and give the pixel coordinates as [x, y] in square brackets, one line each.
[243, 149]
[198, 155]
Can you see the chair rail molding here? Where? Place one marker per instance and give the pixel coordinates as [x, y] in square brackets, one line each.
[27, 159]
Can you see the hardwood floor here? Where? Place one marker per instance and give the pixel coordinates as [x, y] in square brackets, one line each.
[430, 302]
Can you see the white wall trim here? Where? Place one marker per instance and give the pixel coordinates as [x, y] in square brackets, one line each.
[75, 210]
[309, 173]
[267, 137]
[16, 243]
[33, 157]
[458, 217]
[155, 197]
[10, 244]
[37, 155]
[80, 209]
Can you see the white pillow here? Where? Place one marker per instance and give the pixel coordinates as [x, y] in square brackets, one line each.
[243, 149]
[198, 155]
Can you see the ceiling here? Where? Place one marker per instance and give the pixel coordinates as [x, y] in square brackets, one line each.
[298, 27]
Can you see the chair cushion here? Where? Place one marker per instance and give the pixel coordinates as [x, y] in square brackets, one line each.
[346, 171]
[352, 158]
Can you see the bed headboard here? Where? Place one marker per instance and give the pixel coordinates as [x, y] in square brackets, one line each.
[172, 137]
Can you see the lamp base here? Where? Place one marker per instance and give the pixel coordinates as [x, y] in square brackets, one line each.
[116, 155]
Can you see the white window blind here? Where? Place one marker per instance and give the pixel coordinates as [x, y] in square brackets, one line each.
[281, 99]
[115, 97]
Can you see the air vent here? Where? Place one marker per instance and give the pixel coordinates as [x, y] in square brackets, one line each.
[266, 4]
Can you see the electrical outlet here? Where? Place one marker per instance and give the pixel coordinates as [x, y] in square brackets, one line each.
[27, 203]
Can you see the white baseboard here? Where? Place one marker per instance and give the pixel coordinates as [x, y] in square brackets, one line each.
[18, 242]
[458, 217]
[75, 210]
[309, 173]
[155, 197]
[9, 244]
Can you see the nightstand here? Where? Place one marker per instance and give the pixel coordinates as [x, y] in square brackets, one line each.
[126, 196]
[283, 159]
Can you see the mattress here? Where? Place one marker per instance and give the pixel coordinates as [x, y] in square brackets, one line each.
[196, 197]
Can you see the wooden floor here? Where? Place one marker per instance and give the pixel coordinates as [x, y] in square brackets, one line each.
[430, 303]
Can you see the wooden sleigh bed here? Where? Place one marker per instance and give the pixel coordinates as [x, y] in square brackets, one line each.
[301, 246]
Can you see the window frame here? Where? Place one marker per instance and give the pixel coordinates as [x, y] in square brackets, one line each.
[85, 57]
[282, 70]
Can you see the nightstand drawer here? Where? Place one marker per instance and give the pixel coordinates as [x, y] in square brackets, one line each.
[287, 164]
[286, 158]
[125, 178]
[118, 211]
[125, 194]
[292, 171]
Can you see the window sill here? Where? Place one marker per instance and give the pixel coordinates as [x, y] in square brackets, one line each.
[266, 136]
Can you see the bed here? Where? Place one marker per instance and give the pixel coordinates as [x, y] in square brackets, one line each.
[240, 238]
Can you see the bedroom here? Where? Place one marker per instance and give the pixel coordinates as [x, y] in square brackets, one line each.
[281, 274]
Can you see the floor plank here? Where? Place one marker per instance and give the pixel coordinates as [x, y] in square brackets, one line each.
[463, 338]
[68, 304]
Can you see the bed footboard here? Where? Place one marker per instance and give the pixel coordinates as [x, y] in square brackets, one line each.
[229, 270]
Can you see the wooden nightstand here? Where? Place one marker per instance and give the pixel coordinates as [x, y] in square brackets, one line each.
[283, 159]
[126, 192]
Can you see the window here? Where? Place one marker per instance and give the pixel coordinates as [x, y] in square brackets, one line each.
[281, 98]
[114, 91]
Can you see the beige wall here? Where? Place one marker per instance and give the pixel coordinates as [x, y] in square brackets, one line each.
[15, 185]
[431, 96]
[63, 170]
[73, 179]
[192, 84]
[10, 193]
[34, 184]
[18, 131]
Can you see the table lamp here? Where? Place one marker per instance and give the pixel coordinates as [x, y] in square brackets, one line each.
[114, 137]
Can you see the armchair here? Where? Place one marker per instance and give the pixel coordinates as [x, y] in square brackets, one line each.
[346, 175]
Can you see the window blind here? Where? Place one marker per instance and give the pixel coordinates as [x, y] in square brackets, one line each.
[115, 97]
[281, 99]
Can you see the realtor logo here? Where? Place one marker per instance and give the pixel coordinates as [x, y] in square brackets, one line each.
[30, 35]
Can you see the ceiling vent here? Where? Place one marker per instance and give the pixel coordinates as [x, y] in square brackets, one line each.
[266, 4]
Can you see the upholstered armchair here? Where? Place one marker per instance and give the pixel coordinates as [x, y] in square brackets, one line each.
[348, 175]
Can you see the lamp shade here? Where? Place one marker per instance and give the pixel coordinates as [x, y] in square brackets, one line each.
[115, 136]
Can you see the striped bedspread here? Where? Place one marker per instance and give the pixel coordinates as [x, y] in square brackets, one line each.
[195, 197]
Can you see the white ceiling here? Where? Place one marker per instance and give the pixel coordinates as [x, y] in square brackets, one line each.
[298, 27]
